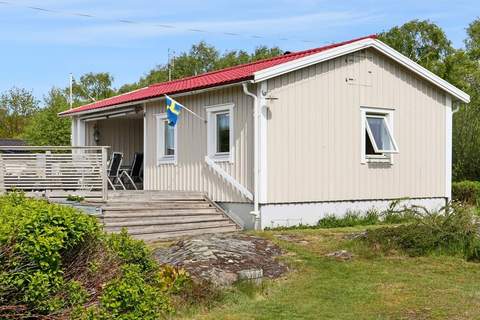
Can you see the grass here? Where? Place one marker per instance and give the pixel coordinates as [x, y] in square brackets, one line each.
[371, 286]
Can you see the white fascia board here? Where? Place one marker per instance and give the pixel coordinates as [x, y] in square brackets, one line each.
[355, 46]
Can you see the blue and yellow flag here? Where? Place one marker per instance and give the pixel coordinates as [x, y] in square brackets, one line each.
[173, 110]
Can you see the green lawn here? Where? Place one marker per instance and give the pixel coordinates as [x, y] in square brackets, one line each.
[370, 286]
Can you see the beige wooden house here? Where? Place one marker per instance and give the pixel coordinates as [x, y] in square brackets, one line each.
[287, 140]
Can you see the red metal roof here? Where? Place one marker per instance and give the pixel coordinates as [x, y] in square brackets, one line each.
[207, 80]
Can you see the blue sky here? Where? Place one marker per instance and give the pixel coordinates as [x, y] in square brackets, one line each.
[40, 49]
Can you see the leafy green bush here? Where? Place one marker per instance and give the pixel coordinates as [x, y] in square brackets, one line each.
[452, 230]
[33, 236]
[56, 260]
[131, 251]
[130, 296]
[467, 192]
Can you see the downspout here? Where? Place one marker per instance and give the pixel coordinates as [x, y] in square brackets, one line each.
[256, 212]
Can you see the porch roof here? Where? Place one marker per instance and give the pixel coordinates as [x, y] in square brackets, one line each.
[207, 80]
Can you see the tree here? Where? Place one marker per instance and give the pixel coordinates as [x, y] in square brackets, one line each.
[465, 73]
[472, 43]
[201, 58]
[46, 127]
[92, 87]
[16, 106]
[422, 41]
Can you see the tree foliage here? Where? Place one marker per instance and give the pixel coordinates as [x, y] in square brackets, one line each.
[422, 41]
[46, 127]
[16, 108]
[201, 58]
[427, 44]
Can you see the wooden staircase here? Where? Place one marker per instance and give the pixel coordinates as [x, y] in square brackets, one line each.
[158, 215]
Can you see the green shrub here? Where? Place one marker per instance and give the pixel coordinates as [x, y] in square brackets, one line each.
[467, 192]
[34, 234]
[131, 296]
[55, 260]
[172, 279]
[131, 251]
[452, 230]
[350, 219]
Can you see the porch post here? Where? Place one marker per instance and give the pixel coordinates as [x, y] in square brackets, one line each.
[104, 174]
[80, 133]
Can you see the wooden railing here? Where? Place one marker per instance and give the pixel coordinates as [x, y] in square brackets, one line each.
[54, 171]
[228, 178]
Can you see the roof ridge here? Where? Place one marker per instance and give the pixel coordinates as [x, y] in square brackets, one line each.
[337, 44]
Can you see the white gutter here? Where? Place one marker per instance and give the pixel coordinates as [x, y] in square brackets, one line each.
[256, 164]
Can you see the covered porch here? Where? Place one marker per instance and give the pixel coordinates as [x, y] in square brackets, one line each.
[122, 131]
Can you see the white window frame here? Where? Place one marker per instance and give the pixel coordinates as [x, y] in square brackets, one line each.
[212, 112]
[387, 114]
[162, 158]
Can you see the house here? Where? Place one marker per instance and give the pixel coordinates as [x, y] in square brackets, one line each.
[348, 126]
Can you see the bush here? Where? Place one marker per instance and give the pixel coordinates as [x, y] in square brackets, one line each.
[452, 230]
[33, 236]
[56, 261]
[131, 251]
[131, 296]
[467, 192]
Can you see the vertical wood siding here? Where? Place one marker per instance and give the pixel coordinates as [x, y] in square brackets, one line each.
[121, 134]
[314, 132]
[191, 172]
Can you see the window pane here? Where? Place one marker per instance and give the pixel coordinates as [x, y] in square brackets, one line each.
[223, 132]
[369, 150]
[169, 139]
[380, 133]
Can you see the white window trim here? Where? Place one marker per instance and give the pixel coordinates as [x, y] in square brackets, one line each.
[160, 136]
[388, 114]
[212, 111]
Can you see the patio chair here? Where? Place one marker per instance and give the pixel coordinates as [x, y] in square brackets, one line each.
[134, 173]
[113, 175]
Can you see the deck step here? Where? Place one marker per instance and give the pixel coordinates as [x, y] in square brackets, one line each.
[157, 206]
[156, 228]
[136, 221]
[184, 233]
[152, 215]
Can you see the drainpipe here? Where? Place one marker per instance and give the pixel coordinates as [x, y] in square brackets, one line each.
[256, 212]
[456, 109]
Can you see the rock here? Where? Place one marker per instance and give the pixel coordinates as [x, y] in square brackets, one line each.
[225, 258]
[356, 235]
[254, 275]
[343, 255]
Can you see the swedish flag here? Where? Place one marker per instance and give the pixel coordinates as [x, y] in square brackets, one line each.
[173, 110]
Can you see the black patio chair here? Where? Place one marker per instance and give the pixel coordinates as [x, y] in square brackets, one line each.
[113, 174]
[134, 173]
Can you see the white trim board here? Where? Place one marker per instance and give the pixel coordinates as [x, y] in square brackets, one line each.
[287, 67]
[448, 148]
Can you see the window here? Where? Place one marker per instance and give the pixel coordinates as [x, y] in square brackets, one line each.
[378, 142]
[220, 132]
[223, 132]
[166, 141]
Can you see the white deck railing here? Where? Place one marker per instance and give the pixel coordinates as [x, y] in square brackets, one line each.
[54, 171]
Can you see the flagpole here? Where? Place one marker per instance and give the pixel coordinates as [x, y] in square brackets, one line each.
[194, 114]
